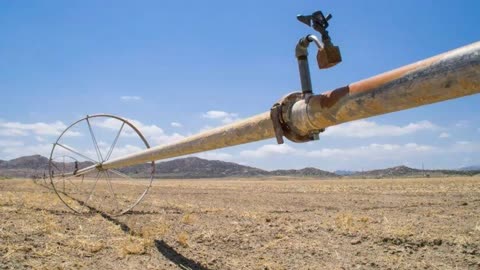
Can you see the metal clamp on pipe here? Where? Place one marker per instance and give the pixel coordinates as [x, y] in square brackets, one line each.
[280, 115]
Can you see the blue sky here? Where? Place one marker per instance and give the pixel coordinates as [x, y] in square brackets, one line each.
[178, 67]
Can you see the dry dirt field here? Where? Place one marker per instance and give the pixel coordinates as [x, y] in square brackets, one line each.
[251, 224]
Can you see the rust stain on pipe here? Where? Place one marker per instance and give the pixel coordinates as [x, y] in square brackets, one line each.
[381, 79]
[329, 99]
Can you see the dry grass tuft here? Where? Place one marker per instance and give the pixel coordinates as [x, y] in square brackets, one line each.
[182, 239]
[364, 219]
[7, 199]
[349, 223]
[50, 225]
[133, 246]
[402, 231]
[91, 246]
[344, 221]
[152, 232]
[188, 218]
[47, 251]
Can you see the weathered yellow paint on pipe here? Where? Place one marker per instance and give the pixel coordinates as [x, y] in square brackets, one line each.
[252, 129]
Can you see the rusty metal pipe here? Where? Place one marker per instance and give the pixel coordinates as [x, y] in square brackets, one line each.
[446, 76]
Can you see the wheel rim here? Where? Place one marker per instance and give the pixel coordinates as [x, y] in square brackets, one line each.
[110, 191]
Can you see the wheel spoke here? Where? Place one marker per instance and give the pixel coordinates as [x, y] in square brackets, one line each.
[63, 173]
[95, 144]
[114, 142]
[111, 189]
[69, 179]
[120, 174]
[75, 152]
[53, 164]
[59, 170]
[91, 192]
[61, 177]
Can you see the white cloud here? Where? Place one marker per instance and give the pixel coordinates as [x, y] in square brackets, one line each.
[165, 139]
[117, 152]
[224, 117]
[371, 151]
[39, 128]
[462, 124]
[374, 155]
[114, 124]
[10, 143]
[12, 132]
[176, 124]
[214, 155]
[444, 135]
[365, 129]
[131, 98]
[148, 130]
[269, 150]
[154, 134]
[18, 149]
[465, 147]
[108, 123]
[205, 128]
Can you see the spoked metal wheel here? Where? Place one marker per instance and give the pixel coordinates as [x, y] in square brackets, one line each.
[75, 166]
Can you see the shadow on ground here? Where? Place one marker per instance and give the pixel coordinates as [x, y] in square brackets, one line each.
[177, 258]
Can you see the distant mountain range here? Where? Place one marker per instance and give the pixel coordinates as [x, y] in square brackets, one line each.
[404, 171]
[470, 168]
[344, 172]
[193, 167]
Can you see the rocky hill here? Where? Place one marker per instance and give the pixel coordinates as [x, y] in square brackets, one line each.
[305, 172]
[193, 167]
[344, 172]
[23, 166]
[30, 166]
[31, 162]
[404, 171]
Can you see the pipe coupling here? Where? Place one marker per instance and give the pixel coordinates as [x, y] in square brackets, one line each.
[280, 114]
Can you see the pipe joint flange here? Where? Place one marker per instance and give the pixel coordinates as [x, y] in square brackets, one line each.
[280, 115]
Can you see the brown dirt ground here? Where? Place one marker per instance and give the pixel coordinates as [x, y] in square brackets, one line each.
[251, 224]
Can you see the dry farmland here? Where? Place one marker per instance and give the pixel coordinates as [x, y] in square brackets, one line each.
[251, 224]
